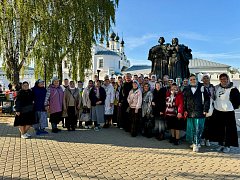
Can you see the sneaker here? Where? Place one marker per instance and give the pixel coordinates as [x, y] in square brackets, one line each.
[38, 132]
[195, 148]
[24, 136]
[121, 128]
[226, 149]
[207, 143]
[191, 146]
[220, 148]
[96, 129]
[202, 142]
[28, 135]
[86, 127]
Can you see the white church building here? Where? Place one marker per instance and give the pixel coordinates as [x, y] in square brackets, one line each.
[108, 59]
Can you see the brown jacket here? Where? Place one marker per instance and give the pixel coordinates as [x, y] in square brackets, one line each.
[77, 102]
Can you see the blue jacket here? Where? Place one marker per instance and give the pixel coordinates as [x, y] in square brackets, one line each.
[39, 98]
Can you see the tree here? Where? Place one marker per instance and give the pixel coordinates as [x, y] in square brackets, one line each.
[52, 30]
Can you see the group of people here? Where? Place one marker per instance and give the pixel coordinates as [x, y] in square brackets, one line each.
[139, 105]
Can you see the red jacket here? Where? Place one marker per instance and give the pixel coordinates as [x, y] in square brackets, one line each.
[174, 106]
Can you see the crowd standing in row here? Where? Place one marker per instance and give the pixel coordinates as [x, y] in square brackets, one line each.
[139, 105]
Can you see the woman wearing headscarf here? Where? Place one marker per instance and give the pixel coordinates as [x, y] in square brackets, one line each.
[71, 105]
[174, 113]
[24, 118]
[39, 92]
[135, 103]
[147, 116]
[196, 106]
[158, 104]
[54, 103]
[227, 99]
[97, 97]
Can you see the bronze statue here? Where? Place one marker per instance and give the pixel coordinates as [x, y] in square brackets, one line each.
[170, 59]
[159, 56]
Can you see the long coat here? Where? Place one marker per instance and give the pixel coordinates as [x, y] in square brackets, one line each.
[67, 96]
[110, 94]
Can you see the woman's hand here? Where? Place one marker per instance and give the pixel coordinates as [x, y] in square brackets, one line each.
[18, 113]
[136, 110]
[47, 108]
[153, 103]
[179, 115]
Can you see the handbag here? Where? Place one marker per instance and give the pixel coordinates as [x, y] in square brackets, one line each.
[85, 116]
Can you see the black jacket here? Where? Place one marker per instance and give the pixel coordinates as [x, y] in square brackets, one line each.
[124, 92]
[24, 100]
[159, 98]
[93, 97]
[193, 103]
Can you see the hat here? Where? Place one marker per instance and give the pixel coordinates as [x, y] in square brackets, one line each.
[106, 77]
[40, 81]
[55, 79]
[205, 75]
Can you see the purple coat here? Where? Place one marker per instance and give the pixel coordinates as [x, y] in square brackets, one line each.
[54, 98]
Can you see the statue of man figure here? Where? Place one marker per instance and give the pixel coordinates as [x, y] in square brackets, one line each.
[159, 56]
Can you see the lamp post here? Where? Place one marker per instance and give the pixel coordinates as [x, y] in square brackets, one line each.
[45, 74]
[98, 71]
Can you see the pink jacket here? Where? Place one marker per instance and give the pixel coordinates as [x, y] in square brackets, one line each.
[135, 99]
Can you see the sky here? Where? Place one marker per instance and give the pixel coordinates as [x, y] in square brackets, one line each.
[211, 28]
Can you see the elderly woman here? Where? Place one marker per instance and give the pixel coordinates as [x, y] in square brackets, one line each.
[54, 103]
[174, 113]
[147, 97]
[109, 102]
[227, 98]
[71, 105]
[24, 110]
[97, 97]
[39, 92]
[158, 104]
[135, 103]
[196, 105]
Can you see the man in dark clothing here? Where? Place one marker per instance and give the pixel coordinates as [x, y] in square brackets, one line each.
[126, 88]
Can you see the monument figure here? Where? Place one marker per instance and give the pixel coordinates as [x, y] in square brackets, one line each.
[159, 56]
[170, 59]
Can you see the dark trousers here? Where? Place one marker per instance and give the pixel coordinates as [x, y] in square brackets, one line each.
[207, 127]
[71, 120]
[135, 121]
[124, 122]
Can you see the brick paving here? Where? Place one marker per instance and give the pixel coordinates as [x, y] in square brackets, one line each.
[107, 154]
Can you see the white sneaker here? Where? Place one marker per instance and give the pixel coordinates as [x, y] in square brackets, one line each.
[207, 143]
[24, 136]
[191, 146]
[226, 149]
[220, 148]
[86, 127]
[29, 135]
[96, 129]
[195, 148]
[202, 142]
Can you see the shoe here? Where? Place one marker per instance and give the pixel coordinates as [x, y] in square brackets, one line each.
[195, 148]
[121, 128]
[24, 136]
[226, 149]
[207, 143]
[105, 126]
[38, 132]
[191, 146]
[55, 130]
[86, 127]
[177, 142]
[43, 132]
[96, 129]
[28, 135]
[202, 142]
[172, 139]
[220, 148]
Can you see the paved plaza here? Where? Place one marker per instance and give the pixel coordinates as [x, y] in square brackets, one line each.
[107, 154]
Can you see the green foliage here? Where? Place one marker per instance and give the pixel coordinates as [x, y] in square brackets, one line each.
[52, 30]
